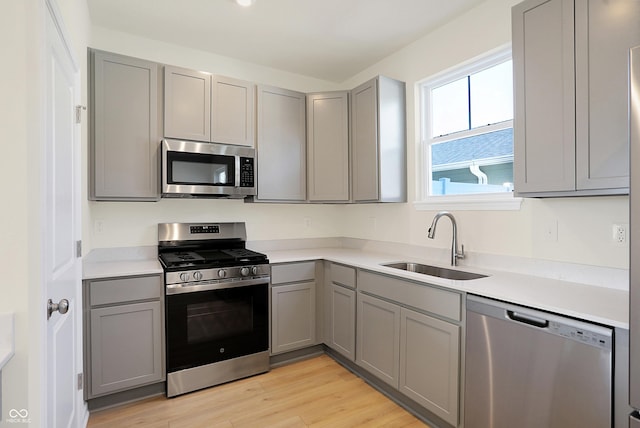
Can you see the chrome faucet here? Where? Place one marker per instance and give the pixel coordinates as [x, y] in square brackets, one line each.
[455, 255]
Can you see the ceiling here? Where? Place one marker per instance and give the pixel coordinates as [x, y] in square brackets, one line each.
[326, 39]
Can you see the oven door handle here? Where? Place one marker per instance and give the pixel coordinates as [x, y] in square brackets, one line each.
[214, 285]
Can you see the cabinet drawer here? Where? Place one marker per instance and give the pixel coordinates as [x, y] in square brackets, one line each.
[120, 290]
[343, 275]
[443, 303]
[293, 272]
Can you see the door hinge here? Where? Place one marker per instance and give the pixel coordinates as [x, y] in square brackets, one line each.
[78, 249]
[79, 109]
[80, 381]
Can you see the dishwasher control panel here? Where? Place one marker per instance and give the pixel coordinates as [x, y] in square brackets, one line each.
[580, 335]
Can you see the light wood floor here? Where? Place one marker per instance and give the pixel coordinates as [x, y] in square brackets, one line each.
[317, 392]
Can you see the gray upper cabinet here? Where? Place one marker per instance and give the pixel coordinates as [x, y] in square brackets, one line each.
[187, 104]
[571, 95]
[328, 147]
[202, 107]
[281, 141]
[233, 111]
[605, 31]
[124, 128]
[378, 141]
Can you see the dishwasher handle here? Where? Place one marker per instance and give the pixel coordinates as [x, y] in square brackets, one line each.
[527, 319]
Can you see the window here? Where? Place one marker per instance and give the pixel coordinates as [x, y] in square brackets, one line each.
[467, 133]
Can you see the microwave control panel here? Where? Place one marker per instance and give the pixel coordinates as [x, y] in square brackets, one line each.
[246, 172]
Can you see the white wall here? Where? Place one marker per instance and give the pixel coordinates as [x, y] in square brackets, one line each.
[15, 102]
[584, 224]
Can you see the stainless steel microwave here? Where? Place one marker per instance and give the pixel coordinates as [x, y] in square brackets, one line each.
[195, 169]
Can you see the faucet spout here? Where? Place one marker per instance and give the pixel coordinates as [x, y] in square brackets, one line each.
[455, 254]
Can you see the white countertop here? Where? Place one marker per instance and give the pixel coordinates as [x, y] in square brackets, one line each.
[7, 347]
[594, 303]
[116, 262]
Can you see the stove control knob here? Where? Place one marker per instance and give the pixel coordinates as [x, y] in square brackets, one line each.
[222, 273]
[184, 277]
[254, 270]
[197, 275]
[244, 271]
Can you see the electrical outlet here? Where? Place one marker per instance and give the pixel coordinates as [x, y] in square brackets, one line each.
[550, 231]
[307, 222]
[619, 233]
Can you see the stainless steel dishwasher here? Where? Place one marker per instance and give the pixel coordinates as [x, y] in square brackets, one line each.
[532, 369]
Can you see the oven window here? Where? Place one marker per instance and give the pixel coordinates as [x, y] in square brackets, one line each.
[219, 319]
[196, 168]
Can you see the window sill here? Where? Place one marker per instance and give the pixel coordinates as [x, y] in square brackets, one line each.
[487, 202]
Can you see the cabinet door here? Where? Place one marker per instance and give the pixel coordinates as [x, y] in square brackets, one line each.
[544, 122]
[126, 347]
[293, 316]
[378, 338]
[364, 142]
[187, 104]
[281, 141]
[124, 129]
[328, 146]
[605, 31]
[342, 324]
[233, 111]
[430, 363]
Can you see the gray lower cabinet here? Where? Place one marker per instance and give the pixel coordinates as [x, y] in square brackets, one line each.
[328, 147]
[409, 335]
[293, 307]
[124, 334]
[281, 145]
[571, 61]
[378, 348]
[378, 141]
[430, 363]
[340, 310]
[125, 103]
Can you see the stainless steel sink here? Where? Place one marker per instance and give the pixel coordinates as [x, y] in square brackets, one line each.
[436, 271]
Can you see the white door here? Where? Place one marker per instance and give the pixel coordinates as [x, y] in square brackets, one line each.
[61, 265]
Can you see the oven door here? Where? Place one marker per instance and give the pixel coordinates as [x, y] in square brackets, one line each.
[210, 326]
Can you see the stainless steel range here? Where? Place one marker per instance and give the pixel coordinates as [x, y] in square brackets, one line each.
[217, 314]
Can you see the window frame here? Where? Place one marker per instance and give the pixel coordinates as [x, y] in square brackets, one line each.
[479, 201]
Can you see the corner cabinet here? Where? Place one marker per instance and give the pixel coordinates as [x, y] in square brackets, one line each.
[340, 310]
[328, 147]
[280, 149]
[202, 107]
[378, 141]
[124, 334]
[571, 79]
[125, 104]
[293, 306]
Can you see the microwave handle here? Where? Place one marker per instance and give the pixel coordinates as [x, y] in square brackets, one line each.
[236, 182]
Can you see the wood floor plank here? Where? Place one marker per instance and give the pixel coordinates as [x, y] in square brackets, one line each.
[317, 392]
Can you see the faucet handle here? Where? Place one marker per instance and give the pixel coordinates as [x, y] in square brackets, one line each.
[460, 255]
